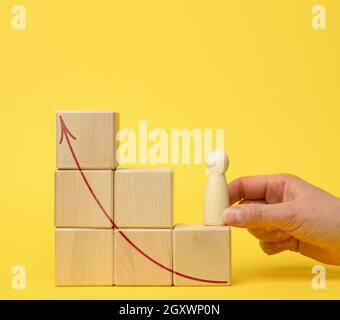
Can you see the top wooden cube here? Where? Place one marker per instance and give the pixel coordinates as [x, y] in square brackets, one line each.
[95, 144]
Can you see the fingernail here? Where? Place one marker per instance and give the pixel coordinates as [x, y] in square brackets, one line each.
[233, 216]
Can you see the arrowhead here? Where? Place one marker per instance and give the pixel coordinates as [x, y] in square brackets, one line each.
[64, 131]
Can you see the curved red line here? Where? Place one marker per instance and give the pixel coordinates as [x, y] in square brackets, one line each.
[65, 132]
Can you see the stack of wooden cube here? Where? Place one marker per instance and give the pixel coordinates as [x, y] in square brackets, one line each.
[89, 250]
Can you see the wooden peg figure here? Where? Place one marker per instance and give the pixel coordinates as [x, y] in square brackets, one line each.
[216, 198]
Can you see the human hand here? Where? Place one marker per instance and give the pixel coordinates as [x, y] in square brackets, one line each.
[286, 213]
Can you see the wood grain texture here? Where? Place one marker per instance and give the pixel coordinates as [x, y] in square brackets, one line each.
[95, 146]
[133, 269]
[202, 252]
[75, 206]
[143, 198]
[84, 257]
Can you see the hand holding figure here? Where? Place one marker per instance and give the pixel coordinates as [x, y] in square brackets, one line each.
[286, 213]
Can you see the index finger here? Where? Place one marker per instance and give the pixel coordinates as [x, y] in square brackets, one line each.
[264, 187]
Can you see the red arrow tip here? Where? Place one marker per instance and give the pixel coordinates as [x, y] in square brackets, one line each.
[64, 131]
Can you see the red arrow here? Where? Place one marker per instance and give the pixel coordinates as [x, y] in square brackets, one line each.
[66, 133]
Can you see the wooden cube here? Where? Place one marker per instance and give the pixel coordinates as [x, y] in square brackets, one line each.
[74, 204]
[95, 144]
[143, 198]
[84, 257]
[132, 268]
[201, 252]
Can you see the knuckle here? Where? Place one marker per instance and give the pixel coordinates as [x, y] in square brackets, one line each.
[291, 218]
[255, 213]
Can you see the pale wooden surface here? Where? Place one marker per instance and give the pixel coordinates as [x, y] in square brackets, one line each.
[84, 257]
[95, 146]
[74, 204]
[133, 269]
[203, 252]
[143, 198]
[216, 200]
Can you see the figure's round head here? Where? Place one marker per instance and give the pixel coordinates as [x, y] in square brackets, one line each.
[217, 162]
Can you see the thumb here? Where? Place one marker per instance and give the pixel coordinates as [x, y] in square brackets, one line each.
[257, 215]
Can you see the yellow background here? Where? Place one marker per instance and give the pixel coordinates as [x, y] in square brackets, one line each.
[255, 68]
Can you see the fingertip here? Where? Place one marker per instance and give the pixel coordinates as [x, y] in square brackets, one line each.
[233, 216]
[271, 248]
